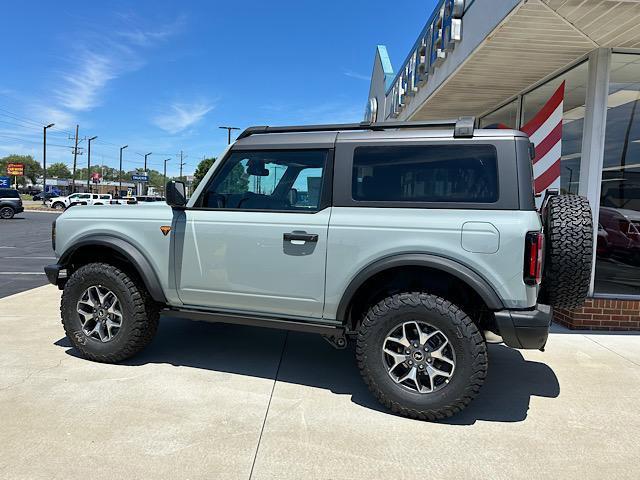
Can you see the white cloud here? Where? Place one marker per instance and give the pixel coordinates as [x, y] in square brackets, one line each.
[104, 56]
[358, 76]
[181, 116]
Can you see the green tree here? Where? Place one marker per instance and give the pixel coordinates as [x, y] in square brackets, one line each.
[203, 167]
[59, 170]
[237, 181]
[32, 168]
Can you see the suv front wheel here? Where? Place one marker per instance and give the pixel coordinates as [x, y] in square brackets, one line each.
[106, 315]
[421, 355]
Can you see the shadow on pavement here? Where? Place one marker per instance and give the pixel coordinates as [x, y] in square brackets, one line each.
[310, 360]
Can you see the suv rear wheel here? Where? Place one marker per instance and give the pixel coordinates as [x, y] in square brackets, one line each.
[421, 355]
[107, 317]
[7, 213]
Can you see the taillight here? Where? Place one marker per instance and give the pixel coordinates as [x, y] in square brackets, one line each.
[533, 253]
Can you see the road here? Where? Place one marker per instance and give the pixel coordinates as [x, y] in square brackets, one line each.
[25, 248]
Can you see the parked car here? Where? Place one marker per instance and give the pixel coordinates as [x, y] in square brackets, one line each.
[418, 244]
[48, 196]
[10, 203]
[61, 203]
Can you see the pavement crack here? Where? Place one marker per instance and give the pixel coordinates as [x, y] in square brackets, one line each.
[612, 351]
[266, 413]
[31, 374]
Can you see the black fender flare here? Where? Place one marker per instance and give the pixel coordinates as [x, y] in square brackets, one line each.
[444, 264]
[128, 251]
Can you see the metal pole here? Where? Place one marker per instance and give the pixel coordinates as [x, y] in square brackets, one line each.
[228, 129]
[181, 164]
[75, 155]
[44, 163]
[164, 185]
[120, 187]
[146, 187]
[89, 163]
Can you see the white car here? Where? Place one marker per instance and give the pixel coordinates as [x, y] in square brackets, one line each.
[60, 203]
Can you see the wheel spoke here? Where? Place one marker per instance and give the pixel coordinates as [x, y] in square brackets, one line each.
[438, 354]
[412, 375]
[398, 358]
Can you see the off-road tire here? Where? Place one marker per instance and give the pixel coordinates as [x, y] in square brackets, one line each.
[470, 353]
[58, 206]
[568, 227]
[7, 213]
[140, 313]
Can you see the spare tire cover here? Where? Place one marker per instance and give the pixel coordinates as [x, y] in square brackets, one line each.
[568, 229]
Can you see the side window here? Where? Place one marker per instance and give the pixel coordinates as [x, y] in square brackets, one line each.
[287, 180]
[84, 196]
[426, 173]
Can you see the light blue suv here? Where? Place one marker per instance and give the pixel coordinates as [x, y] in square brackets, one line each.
[420, 241]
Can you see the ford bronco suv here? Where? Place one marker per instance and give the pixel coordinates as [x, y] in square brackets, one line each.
[421, 242]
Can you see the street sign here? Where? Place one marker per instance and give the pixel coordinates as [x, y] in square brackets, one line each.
[140, 178]
[96, 177]
[5, 182]
[15, 169]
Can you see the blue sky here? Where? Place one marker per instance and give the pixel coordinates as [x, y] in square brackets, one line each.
[162, 76]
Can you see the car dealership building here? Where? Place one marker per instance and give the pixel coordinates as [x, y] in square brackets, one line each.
[567, 72]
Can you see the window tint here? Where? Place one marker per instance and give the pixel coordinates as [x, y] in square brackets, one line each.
[9, 194]
[268, 180]
[426, 173]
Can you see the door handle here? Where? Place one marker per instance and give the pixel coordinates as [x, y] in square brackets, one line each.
[301, 236]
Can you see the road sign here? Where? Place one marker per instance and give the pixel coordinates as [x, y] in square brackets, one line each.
[140, 178]
[15, 169]
[5, 182]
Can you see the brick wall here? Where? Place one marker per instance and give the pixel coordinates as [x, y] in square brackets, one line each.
[601, 314]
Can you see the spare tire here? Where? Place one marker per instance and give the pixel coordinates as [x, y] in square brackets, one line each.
[568, 229]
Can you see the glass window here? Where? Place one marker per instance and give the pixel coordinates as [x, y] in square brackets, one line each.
[268, 180]
[504, 117]
[575, 91]
[425, 173]
[618, 248]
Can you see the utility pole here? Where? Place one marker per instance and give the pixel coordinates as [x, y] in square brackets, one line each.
[44, 162]
[120, 188]
[89, 163]
[228, 129]
[164, 185]
[181, 165]
[146, 187]
[75, 155]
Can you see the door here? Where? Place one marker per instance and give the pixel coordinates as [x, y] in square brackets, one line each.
[256, 239]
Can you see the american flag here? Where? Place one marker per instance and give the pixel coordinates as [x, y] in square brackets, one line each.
[545, 131]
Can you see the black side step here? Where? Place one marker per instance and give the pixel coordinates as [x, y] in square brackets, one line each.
[257, 321]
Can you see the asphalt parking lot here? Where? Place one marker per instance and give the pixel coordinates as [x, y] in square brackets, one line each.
[25, 248]
[233, 402]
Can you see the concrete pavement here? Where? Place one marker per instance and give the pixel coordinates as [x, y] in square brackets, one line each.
[221, 401]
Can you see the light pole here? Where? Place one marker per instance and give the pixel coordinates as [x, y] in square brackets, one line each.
[146, 187]
[89, 163]
[44, 163]
[120, 187]
[164, 185]
[228, 129]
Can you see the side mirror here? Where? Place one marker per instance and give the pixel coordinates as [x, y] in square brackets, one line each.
[176, 194]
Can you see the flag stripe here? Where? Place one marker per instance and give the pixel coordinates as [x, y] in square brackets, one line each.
[548, 143]
[548, 177]
[546, 111]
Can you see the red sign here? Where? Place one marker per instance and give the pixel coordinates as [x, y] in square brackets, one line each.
[15, 169]
[95, 177]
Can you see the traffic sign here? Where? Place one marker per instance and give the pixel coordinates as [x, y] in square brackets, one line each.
[15, 169]
[140, 178]
[5, 182]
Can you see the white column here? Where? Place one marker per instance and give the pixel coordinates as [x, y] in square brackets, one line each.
[595, 122]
